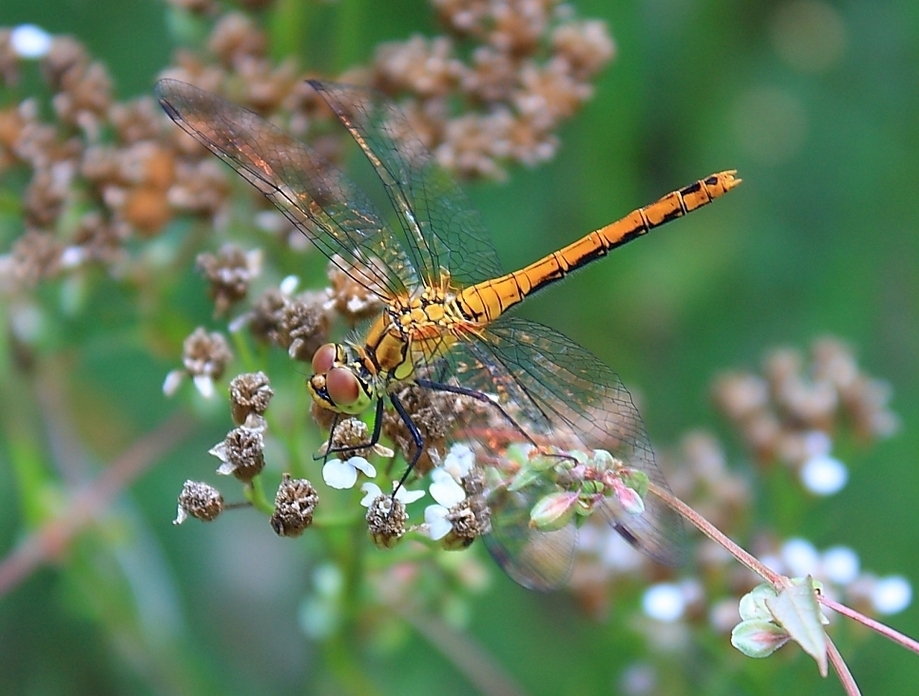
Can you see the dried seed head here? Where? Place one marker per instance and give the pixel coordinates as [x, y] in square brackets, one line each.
[386, 519]
[9, 59]
[35, 255]
[351, 435]
[249, 393]
[434, 414]
[325, 418]
[229, 274]
[351, 299]
[235, 39]
[298, 324]
[205, 357]
[136, 120]
[200, 501]
[469, 521]
[243, 450]
[294, 504]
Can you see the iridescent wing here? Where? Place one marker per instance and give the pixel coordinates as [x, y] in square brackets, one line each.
[442, 230]
[534, 559]
[553, 385]
[317, 198]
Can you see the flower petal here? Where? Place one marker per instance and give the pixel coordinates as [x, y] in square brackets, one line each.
[363, 466]
[339, 474]
[435, 516]
[459, 461]
[205, 385]
[407, 496]
[445, 490]
[371, 492]
[173, 381]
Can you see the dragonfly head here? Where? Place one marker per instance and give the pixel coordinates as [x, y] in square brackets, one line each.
[337, 382]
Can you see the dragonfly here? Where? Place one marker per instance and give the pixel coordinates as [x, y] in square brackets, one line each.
[445, 323]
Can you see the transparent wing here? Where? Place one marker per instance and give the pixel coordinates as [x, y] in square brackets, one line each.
[535, 560]
[442, 230]
[315, 196]
[556, 390]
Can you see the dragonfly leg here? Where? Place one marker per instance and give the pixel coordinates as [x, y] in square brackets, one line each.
[374, 436]
[416, 438]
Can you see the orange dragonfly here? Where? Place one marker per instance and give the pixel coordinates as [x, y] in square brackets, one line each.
[445, 326]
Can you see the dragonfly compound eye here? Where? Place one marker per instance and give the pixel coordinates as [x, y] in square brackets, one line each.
[324, 358]
[343, 387]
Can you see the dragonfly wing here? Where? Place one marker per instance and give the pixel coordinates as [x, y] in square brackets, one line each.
[558, 385]
[536, 560]
[443, 232]
[316, 197]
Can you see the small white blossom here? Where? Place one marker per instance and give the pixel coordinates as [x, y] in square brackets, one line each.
[448, 493]
[372, 491]
[289, 285]
[30, 41]
[459, 462]
[839, 564]
[800, 557]
[824, 475]
[343, 474]
[173, 382]
[891, 595]
[205, 385]
[664, 601]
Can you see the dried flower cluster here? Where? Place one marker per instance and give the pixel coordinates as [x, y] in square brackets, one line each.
[298, 324]
[229, 274]
[242, 455]
[492, 91]
[521, 67]
[788, 414]
[778, 412]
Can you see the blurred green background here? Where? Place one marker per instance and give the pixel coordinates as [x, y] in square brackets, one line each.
[822, 122]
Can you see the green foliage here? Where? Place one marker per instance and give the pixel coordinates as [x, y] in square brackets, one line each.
[821, 238]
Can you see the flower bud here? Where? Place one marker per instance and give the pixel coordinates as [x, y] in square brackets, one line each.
[554, 511]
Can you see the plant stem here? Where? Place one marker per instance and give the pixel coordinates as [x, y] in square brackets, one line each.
[716, 535]
[842, 669]
[877, 626]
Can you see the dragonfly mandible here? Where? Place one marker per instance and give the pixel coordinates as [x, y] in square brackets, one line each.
[445, 325]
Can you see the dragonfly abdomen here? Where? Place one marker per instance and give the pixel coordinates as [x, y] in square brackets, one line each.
[488, 300]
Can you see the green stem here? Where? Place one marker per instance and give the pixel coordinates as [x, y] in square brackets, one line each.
[340, 655]
[255, 494]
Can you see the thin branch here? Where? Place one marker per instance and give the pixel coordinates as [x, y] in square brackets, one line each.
[716, 535]
[53, 538]
[883, 629]
[842, 669]
[474, 663]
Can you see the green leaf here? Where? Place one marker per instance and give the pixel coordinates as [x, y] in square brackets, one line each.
[796, 610]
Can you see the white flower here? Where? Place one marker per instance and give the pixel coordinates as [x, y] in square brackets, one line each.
[203, 383]
[343, 474]
[459, 462]
[372, 491]
[30, 41]
[891, 595]
[664, 601]
[824, 475]
[448, 493]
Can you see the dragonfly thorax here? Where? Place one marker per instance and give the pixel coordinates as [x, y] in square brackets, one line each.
[419, 328]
